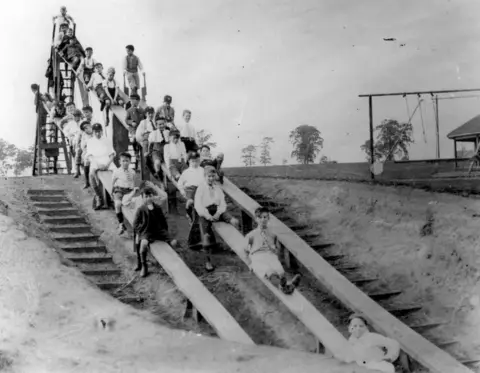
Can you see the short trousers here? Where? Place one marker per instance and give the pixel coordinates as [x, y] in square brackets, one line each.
[157, 156]
[119, 192]
[100, 91]
[190, 192]
[206, 232]
[133, 80]
[190, 144]
[160, 235]
[265, 264]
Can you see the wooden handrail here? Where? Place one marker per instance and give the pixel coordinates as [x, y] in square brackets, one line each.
[420, 349]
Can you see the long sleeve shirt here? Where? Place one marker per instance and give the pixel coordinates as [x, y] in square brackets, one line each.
[84, 140]
[174, 151]
[191, 177]
[187, 130]
[369, 347]
[143, 131]
[207, 195]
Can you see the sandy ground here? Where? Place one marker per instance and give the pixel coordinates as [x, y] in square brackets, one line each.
[381, 228]
[50, 318]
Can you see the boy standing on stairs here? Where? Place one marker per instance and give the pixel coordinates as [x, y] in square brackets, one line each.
[150, 225]
[123, 183]
[100, 153]
[263, 250]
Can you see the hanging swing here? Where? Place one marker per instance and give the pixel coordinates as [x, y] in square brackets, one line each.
[377, 167]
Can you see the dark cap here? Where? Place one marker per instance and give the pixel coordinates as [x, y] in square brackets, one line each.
[134, 96]
[77, 113]
[98, 64]
[88, 49]
[97, 127]
[34, 86]
[130, 46]
[88, 108]
[149, 109]
[84, 124]
[167, 98]
[175, 133]
[193, 155]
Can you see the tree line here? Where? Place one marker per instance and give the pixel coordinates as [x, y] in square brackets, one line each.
[392, 142]
[14, 159]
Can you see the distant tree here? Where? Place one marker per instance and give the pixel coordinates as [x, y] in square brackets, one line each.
[249, 155]
[325, 160]
[23, 160]
[393, 141]
[203, 138]
[7, 153]
[307, 142]
[265, 151]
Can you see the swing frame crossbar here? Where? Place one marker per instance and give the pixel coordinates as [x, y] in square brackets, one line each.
[435, 94]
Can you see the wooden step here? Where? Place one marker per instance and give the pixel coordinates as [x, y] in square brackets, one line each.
[321, 246]
[384, 295]
[307, 236]
[298, 227]
[81, 237]
[52, 205]
[92, 247]
[45, 191]
[404, 310]
[420, 328]
[346, 267]
[131, 299]
[91, 258]
[470, 362]
[362, 280]
[109, 285]
[446, 344]
[58, 212]
[65, 220]
[276, 210]
[49, 198]
[101, 272]
[332, 257]
[70, 228]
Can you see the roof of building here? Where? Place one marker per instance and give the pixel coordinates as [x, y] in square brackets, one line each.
[468, 129]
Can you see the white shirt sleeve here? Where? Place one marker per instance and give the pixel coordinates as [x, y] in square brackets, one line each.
[139, 133]
[199, 207]
[166, 155]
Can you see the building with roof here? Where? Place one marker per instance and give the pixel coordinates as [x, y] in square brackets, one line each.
[467, 132]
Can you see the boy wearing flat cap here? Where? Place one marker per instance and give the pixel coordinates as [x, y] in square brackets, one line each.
[166, 110]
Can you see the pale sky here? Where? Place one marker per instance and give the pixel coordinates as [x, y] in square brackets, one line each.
[249, 69]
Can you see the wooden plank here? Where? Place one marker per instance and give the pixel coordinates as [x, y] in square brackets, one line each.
[325, 332]
[211, 309]
[425, 352]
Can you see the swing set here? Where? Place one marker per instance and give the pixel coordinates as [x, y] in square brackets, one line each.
[377, 165]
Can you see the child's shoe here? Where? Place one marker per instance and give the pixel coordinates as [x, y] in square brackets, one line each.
[121, 229]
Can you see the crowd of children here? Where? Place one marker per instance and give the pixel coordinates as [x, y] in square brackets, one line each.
[157, 138]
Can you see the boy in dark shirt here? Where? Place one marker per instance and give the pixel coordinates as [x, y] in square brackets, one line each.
[149, 225]
[135, 114]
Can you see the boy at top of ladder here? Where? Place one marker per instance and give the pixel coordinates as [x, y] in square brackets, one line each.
[131, 65]
[60, 34]
[63, 17]
[263, 251]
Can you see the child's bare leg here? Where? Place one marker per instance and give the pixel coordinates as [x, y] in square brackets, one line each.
[118, 211]
[143, 256]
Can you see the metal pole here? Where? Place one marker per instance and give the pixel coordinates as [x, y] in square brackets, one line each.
[437, 127]
[419, 92]
[372, 152]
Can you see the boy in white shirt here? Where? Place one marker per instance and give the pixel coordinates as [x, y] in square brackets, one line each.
[263, 250]
[206, 159]
[87, 65]
[71, 130]
[371, 350]
[211, 206]
[100, 153]
[156, 142]
[187, 132]
[175, 155]
[123, 183]
[96, 83]
[189, 181]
